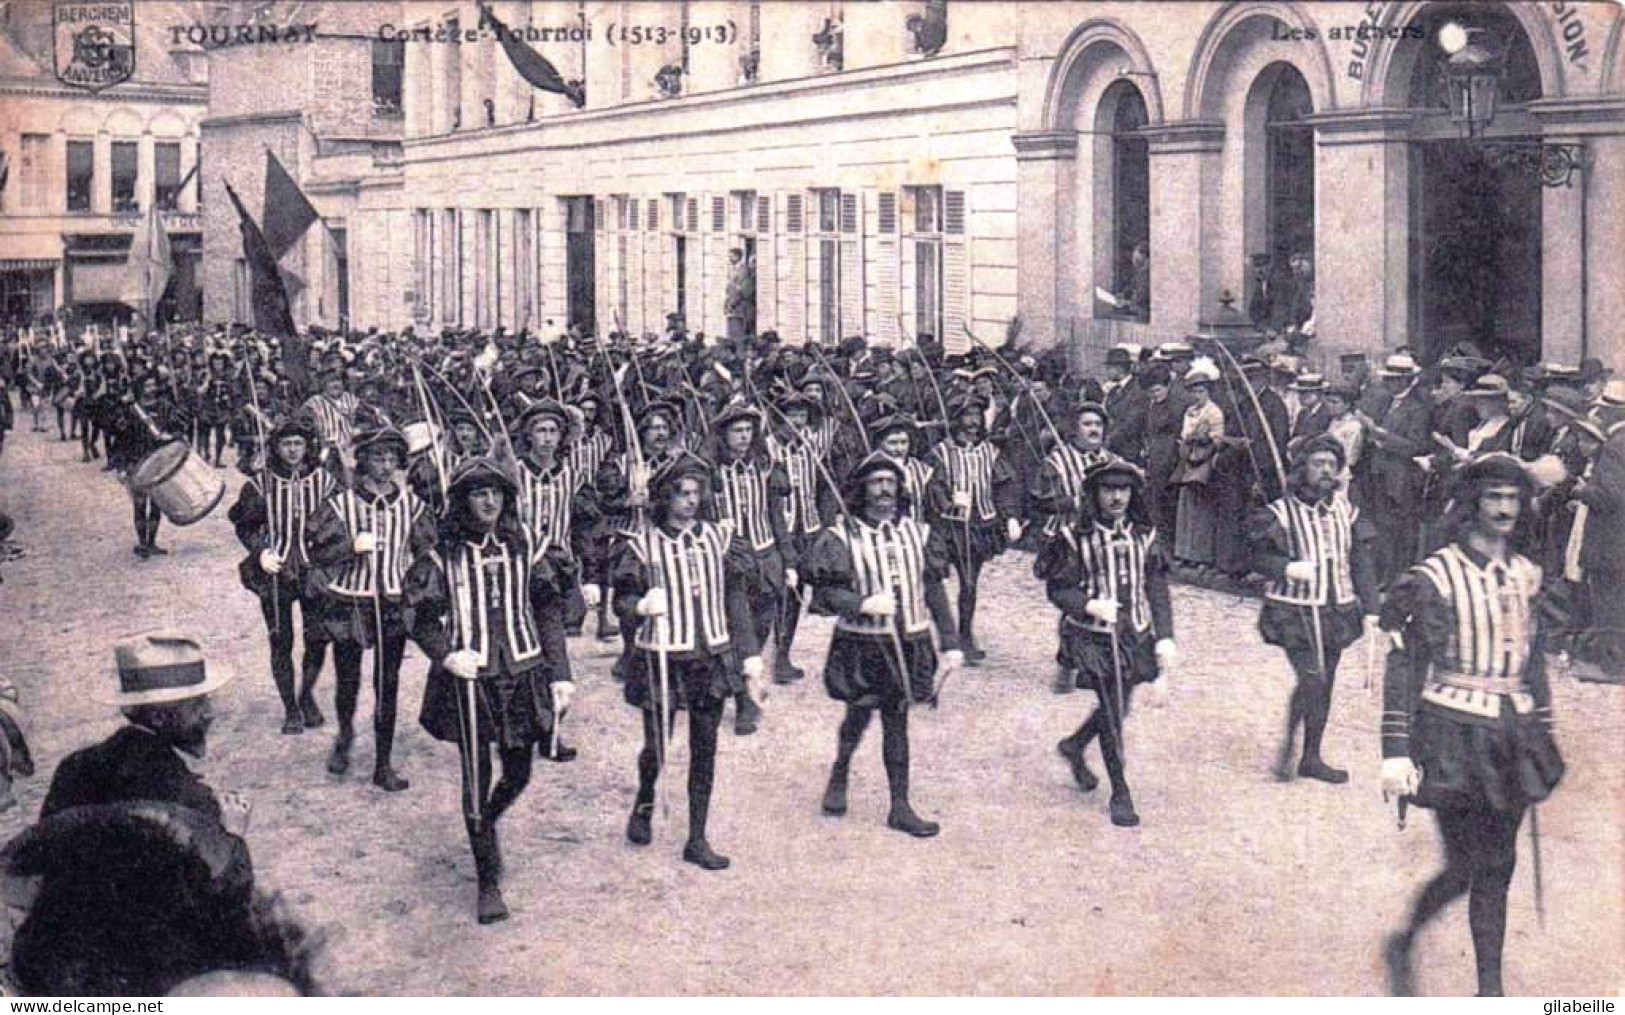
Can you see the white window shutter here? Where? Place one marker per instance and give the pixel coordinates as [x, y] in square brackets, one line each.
[956, 301]
[767, 275]
[603, 292]
[883, 268]
[852, 301]
[554, 239]
[507, 302]
[694, 284]
[793, 272]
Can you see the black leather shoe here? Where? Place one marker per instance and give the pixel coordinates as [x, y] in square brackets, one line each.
[560, 752]
[338, 762]
[1081, 774]
[1314, 768]
[699, 853]
[747, 716]
[293, 724]
[785, 673]
[313, 714]
[904, 819]
[384, 778]
[835, 797]
[491, 908]
[1122, 811]
[640, 826]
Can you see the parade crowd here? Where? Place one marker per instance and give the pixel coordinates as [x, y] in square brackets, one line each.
[489, 497]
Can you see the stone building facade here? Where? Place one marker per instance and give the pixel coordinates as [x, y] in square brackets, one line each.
[83, 166]
[1105, 171]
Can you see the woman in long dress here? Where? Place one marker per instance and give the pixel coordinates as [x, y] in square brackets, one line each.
[1199, 436]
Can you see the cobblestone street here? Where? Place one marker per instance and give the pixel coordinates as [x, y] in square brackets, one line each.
[1234, 884]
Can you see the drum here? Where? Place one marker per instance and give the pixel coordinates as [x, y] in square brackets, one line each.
[420, 436]
[182, 484]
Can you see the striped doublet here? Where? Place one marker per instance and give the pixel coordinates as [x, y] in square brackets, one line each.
[390, 520]
[1322, 533]
[488, 585]
[588, 452]
[1071, 466]
[970, 470]
[797, 457]
[742, 498]
[289, 503]
[690, 566]
[1113, 560]
[1482, 660]
[545, 501]
[889, 557]
[916, 480]
[334, 418]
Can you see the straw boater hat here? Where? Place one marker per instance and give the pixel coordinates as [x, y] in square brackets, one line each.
[1488, 386]
[1309, 382]
[1400, 364]
[162, 667]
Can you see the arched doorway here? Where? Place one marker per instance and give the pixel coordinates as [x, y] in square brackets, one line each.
[1281, 199]
[1475, 224]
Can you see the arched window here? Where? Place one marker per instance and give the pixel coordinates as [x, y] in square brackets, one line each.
[1122, 259]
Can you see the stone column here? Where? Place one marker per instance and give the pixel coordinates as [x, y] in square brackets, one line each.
[1362, 234]
[1185, 175]
[1044, 174]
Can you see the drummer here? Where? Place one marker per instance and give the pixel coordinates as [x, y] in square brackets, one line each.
[138, 426]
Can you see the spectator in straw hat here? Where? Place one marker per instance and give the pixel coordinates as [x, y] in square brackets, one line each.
[164, 690]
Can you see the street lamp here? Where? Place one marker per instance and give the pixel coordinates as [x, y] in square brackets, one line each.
[1473, 76]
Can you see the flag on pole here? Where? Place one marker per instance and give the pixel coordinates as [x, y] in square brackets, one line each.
[148, 266]
[271, 312]
[288, 213]
[531, 65]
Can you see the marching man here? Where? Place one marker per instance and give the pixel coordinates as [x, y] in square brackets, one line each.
[880, 573]
[681, 586]
[1107, 572]
[270, 518]
[1467, 720]
[474, 599]
[1316, 551]
[365, 538]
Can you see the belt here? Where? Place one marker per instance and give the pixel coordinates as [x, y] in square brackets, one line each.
[1480, 696]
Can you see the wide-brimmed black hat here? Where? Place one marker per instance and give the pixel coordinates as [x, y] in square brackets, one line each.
[477, 472]
[1115, 469]
[735, 412]
[541, 408]
[1300, 450]
[383, 438]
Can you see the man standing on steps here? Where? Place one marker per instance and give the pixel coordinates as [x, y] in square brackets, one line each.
[1316, 551]
[880, 574]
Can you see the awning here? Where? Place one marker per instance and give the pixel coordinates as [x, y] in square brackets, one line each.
[96, 282]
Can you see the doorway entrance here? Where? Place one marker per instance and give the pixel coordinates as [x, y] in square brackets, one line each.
[1476, 259]
[579, 269]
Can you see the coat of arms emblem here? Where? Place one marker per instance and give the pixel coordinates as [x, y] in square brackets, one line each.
[94, 43]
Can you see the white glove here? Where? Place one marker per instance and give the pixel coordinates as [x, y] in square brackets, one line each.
[1167, 654]
[1012, 528]
[754, 668]
[653, 603]
[961, 499]
[881, 604]
[791, 577]
[563, 693]
[270, 563]
[464, 664]
[592, 595]
[366, 542]
[235, 811]
[1103, 610]
[1400, 778]
[952, 660]
[1302, 571]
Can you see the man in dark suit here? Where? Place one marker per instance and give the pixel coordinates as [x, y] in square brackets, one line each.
[164, 688]
[1125, 402]
[1398, 438]
[1312, 417]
